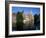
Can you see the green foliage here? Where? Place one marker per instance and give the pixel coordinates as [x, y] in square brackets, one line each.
[19, 21]
[37, 21]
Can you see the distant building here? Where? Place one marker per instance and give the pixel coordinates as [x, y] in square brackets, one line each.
[13, 18]
[28, 20]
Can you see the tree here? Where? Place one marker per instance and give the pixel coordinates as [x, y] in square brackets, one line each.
[37, 21]
[19, 21]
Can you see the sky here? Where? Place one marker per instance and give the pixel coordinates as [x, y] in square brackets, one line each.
[26, 10]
